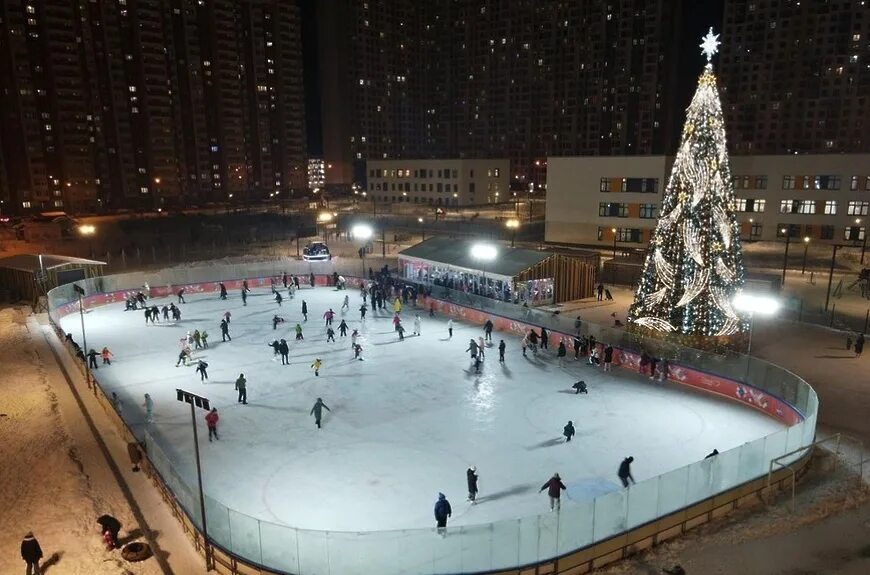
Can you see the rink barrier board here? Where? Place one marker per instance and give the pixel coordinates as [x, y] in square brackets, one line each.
[580, 561]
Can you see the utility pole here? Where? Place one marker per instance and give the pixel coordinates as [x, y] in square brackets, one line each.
[201, 402]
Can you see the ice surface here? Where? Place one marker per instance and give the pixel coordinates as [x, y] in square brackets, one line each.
[405, 423]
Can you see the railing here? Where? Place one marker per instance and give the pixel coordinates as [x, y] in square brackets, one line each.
[502, 544]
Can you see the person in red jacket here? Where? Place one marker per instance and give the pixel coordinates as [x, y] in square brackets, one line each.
[554, 487]
[211, 419]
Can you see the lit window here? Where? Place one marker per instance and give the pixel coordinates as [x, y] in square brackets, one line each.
[25, 204]
[858, 208]
[132, 88]
[830, 207]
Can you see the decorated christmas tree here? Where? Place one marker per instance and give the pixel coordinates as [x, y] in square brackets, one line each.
[694, 266]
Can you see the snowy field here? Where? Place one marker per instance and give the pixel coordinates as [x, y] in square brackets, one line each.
[405, 423]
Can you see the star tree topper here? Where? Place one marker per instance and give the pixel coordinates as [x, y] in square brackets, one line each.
[710, 44]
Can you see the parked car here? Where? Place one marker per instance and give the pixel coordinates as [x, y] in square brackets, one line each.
[316, 252]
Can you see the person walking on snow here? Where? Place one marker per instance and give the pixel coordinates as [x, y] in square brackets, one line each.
[342, 329]
[241, 386]
[328, 315]
[624, 472]
[442, 512]
[554, 487]
[471, 479]
[304, 310]
[107, 356]
[417, 323]
[317, 411]
[31, 553]
[487, 329]
[149, 409]
[201, 367]
[568, 431]
[450, 329]
[211, 420]
[316, 366]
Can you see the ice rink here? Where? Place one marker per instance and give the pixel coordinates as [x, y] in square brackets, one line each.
[404, 424]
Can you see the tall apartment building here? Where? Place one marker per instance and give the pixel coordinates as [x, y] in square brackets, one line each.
[795, 75]
[825, 197]
[116, 103]
[478, 79]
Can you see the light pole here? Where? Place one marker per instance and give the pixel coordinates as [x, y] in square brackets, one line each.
[787, 232]
[529, 199]
[484, 253]
[864, 243]
[158, 203]
[202, 402]
[806, 248]
[362, 233]
[755, 304]
[613, 262]
[81, 292]
[512, 224]
[422, 229]
[831, 276]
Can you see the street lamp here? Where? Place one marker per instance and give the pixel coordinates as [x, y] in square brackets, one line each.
[831, 276]
[864, 244]
[613, 263]
[529, 199]
[484, 253]
[806, 247]
[787, 232]
[87, 229]
[422, 229]
[362, 233]
[755, 304]
[158, 198]
[512, 224]
[323, 218]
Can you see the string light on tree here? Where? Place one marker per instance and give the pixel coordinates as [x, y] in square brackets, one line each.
[694, 267]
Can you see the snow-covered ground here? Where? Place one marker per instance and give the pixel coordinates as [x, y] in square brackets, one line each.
[405, 423]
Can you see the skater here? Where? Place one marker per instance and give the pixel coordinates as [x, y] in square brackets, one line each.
[432, 310]
[472, 348]
[608, 357]
[533, 341]
[624, 472]
[526, 343]
[342, 328]
[501, 348]
[400, 329]
[663, 369]
[299, 335]
[554, 487]
[176, 313]
[652, 367]
[165, 311]
[107, 356]
[471, 478]
[593, 357]
[442, 512]
[276, 346]
[311, 279]
[481, 347]
[225, 330]
[362, 312]
[244, 297]
[197, 339]
[296, 282]
[328, 315]
[561, 352]
[276, 319]
[417, 323]
[92, 358]
[346, 304]
[183, 355]
[278, 298]
[211, 420]
[241, 386]
[450, 328]
[201, 367]
[284, 279]
[357, 351]
[109, 528]
[204, 336]
[304, 310]
[600, 290]
[397, 306]
[568, 431]
[148, 316]
[181, 295]
[580, 387]
[317, 411]
[223, 290]
[316, 366]
[353, 338]
[330, 335]
[487, 329]
[284, 350]
[31, 552]
[545, 338]
[245, 286]
[149, 408]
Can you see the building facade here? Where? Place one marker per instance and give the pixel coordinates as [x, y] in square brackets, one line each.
[795, 76]
[481, 79]
[111, 103]
[825, 197]
[449, 182]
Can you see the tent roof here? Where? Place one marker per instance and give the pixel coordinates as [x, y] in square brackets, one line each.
[510, 262]
[30, 262]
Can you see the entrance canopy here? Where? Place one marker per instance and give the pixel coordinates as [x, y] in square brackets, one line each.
[30, 276]
[508, 262]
